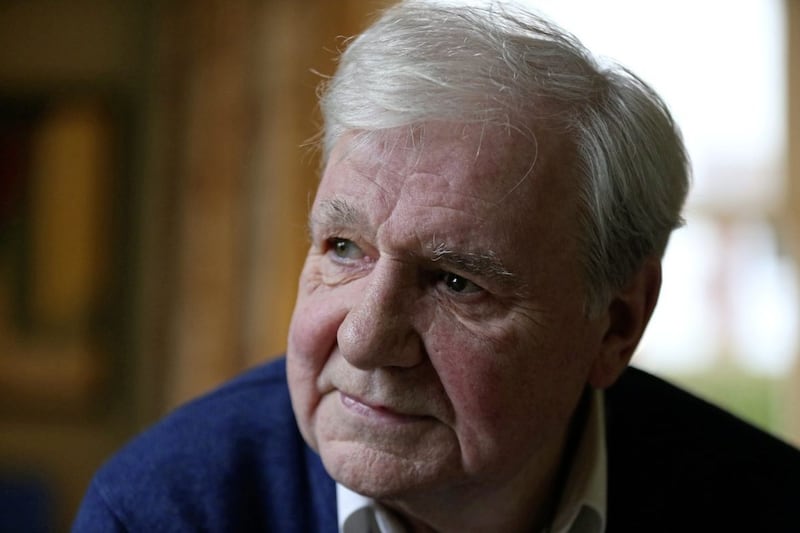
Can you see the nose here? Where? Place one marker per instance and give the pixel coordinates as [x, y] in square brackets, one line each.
[378, 330]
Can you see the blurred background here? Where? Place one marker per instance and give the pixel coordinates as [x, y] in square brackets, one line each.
[155, 177]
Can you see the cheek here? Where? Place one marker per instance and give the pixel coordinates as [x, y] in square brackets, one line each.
[312, 338]
[312, 332]
[510, 391]
[483, 381]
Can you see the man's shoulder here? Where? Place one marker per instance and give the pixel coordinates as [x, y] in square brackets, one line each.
[672, 453]
[248, 409]
[219, 462]
[642, 407]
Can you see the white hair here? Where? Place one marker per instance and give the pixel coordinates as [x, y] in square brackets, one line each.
[425, 61]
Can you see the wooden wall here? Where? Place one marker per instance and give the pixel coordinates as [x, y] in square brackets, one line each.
[69, 90]
[175, 267]
[229, 183]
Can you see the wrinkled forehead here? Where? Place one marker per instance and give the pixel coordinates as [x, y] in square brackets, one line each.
[490, 161]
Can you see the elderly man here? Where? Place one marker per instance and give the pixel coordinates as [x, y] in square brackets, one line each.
[485, 255]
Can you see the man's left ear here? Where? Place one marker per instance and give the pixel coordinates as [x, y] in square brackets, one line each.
[629, 311]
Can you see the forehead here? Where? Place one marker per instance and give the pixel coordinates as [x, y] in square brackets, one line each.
[494, 163]
[485, 162]
[468, 183]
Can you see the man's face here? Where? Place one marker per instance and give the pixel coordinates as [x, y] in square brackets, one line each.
[438, 340]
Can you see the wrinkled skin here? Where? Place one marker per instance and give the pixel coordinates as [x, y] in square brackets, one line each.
[439, 344]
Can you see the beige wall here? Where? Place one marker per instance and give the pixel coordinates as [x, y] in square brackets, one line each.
[793, 196]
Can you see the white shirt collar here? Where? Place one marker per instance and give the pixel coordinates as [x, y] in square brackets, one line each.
[359, 514]
[582, 508]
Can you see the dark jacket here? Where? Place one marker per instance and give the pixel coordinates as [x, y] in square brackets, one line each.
[677, 463]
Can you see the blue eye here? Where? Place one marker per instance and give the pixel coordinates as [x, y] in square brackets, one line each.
[345, 249]
[459, 284]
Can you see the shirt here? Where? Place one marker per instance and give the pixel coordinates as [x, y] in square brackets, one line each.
[581, 509]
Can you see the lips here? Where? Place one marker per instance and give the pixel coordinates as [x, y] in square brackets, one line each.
[377, 412]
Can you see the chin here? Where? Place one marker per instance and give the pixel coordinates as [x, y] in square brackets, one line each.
[379, 474]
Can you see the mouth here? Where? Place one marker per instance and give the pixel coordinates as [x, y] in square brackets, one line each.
[375, 412]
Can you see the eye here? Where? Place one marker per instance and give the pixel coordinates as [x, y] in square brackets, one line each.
[459, 284]
[345, 249]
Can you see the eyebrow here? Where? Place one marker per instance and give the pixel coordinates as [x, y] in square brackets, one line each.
[484, 265]
[337, 213]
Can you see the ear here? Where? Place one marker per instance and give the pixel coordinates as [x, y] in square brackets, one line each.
[628, 312]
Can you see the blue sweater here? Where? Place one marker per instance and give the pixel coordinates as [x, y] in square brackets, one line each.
[233, 460]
